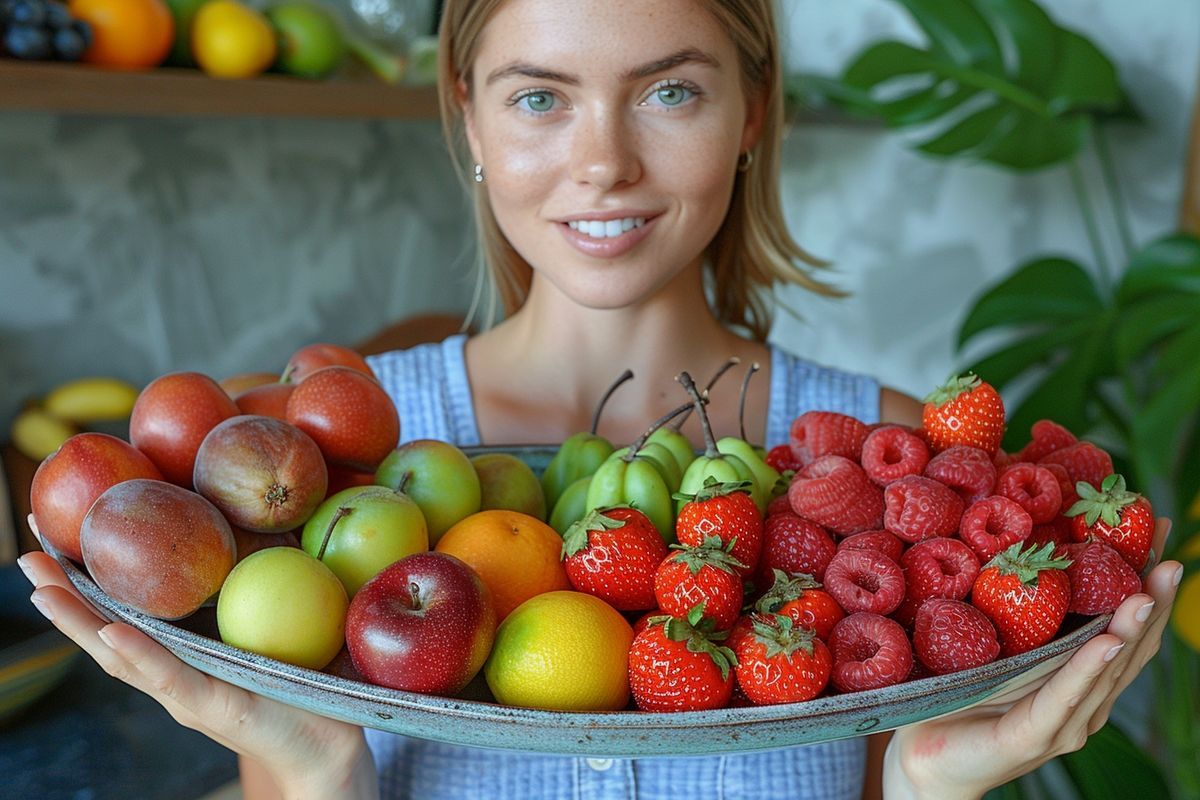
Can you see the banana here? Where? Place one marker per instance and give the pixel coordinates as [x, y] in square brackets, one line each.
[91, 400]
[38, 434]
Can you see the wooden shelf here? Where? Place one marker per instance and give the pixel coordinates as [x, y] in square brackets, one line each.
[81, 89]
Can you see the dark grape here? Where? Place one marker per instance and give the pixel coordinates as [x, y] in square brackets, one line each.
[57, 15]
[85, 32]
[68, 44]
[27, 12]
[28, 42]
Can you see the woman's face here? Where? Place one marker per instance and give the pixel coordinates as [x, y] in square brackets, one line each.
[609, 133]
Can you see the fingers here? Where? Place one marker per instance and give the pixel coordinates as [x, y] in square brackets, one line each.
[42, 570]
[1162, 529]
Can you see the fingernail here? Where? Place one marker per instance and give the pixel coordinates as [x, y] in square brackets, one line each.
[104, 637]
[1178, 577]
[29, 573]
[1143, 613]
[41, 606]
[1111, 654]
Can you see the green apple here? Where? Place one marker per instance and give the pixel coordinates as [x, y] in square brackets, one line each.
[359, 531]
[438, 477]
[765, 476]
[181, 51]
[571, 505]
[507, 482]
[677, 443]
[284, 604]
[311, 44]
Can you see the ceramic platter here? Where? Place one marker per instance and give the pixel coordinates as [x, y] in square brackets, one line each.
[473, 719]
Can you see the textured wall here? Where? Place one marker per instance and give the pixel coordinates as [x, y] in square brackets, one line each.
[137, 246]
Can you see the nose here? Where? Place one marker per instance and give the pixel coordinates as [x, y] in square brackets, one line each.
[604, 150]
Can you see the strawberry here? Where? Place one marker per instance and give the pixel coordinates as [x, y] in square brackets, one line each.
[1114, 515]
[705, 576]
[1025, 594]
[966, 410]
[678, 664]
[727, 511]
[613, 553]
[950, 635]
[801, 598]
[1100, 578]
[821, 433]
[780, 662]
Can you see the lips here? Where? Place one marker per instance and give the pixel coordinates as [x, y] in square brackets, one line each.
[625, 234]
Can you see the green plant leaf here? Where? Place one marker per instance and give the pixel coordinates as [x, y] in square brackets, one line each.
[1112, 766]
[1148, 322]
[1171, 265]
[1042, 292]
[1160, 423]
[1003, 365]
[999, 80]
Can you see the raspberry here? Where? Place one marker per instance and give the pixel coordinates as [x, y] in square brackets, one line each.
[821, 433]
[1003, 459]
[918, 508]
[865, 580]
[935, 568]
[1100, 578]
[1084, 462]
[1033, 488]
[885, 542]
[780, 459]
[967, 470]
[950, 635]
[869, 652]
[834, 492]
[793, 544]
[891, 452]
[1069, 495]
[992, 524]
[1048, 436]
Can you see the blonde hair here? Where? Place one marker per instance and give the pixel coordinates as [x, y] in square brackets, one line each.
[751, 251]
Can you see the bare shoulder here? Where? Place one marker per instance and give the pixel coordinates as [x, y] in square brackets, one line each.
[899, 407]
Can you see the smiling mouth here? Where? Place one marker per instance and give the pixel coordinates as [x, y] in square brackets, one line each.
[606, 229]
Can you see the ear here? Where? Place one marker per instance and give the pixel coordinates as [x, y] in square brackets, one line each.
[756, 112]
[462, 97]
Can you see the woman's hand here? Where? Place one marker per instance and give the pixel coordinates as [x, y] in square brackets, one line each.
[307, 755]
[964, 755]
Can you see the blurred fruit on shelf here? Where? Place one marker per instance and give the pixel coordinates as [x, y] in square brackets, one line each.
[127, 34]
[37, 434]
[36, 30]
[311, 43]
[183, 12]
[231, 40]
[422, 61]
[88, 400]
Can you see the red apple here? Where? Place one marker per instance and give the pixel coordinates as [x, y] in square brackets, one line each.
[263, 474]
[236, 384]
[156, 547]
[424, 624]
[312, 357]
[349, 415]
[268, 400]
[70, 479]
[172, 416]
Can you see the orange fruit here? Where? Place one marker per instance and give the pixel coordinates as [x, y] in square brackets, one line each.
[516, 555]
[562, 651]
[128, 34]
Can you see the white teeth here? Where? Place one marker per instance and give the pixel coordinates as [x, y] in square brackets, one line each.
[606, 230]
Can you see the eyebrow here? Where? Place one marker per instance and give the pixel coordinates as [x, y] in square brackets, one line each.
[685, 56]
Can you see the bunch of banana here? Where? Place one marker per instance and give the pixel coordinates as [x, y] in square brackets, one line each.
[40, 429]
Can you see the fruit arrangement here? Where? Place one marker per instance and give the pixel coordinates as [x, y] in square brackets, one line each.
[852, 558]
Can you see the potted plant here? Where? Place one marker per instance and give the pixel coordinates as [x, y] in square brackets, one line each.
[1112, 353]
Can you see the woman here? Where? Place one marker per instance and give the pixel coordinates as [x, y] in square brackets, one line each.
[619, 146]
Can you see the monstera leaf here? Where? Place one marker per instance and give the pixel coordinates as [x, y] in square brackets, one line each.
[1059, 332]
[999, 80]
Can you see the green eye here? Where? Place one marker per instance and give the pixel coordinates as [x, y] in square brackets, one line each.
[672, 95]
[539, 102]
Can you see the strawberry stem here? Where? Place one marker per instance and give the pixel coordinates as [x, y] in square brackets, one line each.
[732, 362]
[710, 444]
[742, 400]
[626, 375]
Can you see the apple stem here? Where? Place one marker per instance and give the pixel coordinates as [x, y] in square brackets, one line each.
[415, 592]
[626, 375]
[742, 400]
[337, 515]
[710, 444]
[404, 479]
[658, 423]
[730, 364]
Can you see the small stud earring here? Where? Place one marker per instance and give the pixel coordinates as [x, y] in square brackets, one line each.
[744, 161]
[479, 173]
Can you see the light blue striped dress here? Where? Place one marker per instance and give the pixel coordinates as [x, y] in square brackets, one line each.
[429, 386]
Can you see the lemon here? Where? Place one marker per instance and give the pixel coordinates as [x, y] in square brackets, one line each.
[562, 651]
[231, 40]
